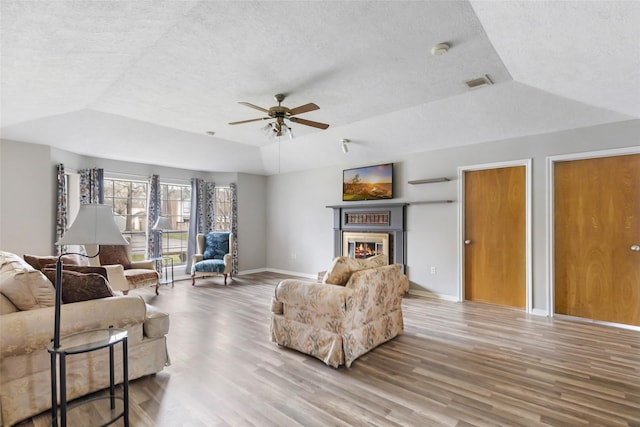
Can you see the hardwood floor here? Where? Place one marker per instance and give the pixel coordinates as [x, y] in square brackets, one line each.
[458, 364]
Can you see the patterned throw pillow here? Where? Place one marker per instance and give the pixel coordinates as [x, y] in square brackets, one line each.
[216, 245]
[80, 287]
[40, 262]
[342, 268]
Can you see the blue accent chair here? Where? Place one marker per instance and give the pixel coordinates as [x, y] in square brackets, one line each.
[213, 255]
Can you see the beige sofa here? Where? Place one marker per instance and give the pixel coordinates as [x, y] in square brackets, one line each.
[356, 308]
[26, 328]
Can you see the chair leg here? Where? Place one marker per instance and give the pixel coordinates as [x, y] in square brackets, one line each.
[225, 279]
[157, 289]
[193, 280]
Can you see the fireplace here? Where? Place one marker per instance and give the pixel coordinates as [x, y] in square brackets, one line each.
[364, 230]
[364, 245]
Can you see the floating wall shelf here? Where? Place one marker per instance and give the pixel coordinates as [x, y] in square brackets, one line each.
[426, 202]
[429, 181]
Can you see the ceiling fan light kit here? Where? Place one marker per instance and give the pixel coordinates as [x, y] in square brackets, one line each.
[281, 113]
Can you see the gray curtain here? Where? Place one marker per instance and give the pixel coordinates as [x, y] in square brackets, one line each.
[202, 216]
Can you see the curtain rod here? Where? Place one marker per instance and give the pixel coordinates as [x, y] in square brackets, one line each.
[144, 177]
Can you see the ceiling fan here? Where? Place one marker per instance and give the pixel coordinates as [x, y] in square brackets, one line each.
[280, 113]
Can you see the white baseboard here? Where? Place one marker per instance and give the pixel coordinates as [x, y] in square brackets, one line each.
[429, 294]
[540, 312]
[257, 270]
[293, 273]
[276, 270]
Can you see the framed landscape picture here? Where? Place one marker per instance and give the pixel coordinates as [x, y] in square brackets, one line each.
[368, 183]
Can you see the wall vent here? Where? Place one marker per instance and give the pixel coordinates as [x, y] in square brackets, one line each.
[479, 82]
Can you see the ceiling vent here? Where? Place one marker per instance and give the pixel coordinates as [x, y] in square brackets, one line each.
[479, 82]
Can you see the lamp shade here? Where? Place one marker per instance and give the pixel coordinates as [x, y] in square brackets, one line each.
[162, 223]
[94, 225]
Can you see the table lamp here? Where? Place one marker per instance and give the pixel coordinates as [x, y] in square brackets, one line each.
[94, 225]
[162, 223]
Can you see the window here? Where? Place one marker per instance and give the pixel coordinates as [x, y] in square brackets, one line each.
[128, 199]
[223, 208]
[175, 203]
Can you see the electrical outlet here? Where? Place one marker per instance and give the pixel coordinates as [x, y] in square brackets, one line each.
[434, 270]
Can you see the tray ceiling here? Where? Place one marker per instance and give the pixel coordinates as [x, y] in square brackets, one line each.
[133, 80]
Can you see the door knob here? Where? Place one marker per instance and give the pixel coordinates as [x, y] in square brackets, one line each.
[635, 248]
[467, 242]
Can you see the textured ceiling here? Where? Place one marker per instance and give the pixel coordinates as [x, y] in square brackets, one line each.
[145, 80]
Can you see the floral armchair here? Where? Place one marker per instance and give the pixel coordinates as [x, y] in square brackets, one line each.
[213, 256]
[356, 308]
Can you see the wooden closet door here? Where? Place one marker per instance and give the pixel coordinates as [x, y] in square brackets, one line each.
[596, 223]
[495, 236]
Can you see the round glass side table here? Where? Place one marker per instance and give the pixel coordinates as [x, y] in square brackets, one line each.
[84, 342]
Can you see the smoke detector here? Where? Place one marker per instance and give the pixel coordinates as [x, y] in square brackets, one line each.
[440, 49]
[479, 82]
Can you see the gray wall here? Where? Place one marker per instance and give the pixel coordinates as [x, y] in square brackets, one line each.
[28, 193]
[284, 224]
[300, 224]
[27, 198]
[252, 222]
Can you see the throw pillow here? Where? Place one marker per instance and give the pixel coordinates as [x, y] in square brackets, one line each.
[216, 245]
[114, 254]
[80, 287]
[85, 269]
[40, 262]
[339, 272]
[25, 287]
[342, 268]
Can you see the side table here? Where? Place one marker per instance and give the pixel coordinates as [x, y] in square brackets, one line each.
[84, 342]
[164, 263]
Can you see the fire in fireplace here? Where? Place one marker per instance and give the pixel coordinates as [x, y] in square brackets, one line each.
[365, 245]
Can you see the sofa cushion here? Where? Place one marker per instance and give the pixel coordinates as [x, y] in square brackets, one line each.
[114, 254]
[137, 277]
[78, 287]
[209, 266]
[342, 267]
[216, 245]
[40, 262]
[156, 323]
[25, 287]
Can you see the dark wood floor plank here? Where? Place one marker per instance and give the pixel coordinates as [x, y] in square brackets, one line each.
[458, 364]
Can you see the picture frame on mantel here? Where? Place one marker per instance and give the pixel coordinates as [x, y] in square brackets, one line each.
[368, 183]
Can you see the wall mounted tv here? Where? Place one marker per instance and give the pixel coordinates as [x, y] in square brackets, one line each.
[368, 183]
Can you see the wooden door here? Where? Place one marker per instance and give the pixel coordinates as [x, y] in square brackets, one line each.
[495, 236]
[596, 223]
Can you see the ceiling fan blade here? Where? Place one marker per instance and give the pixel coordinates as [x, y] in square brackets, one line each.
[309, 123]
[248, 104]
[248, 121]
[304, 108]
